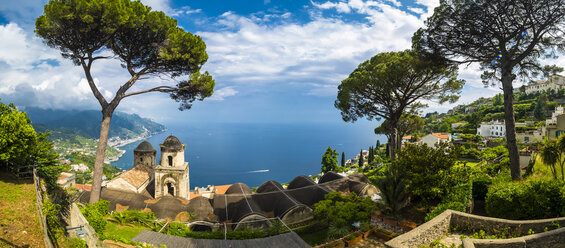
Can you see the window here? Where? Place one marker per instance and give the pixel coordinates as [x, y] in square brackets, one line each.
[526, 139]
[170, 160]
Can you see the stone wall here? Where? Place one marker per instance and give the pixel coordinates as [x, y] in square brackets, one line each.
[76, 219]
[554, 238]
[468, 223]
[424, 234]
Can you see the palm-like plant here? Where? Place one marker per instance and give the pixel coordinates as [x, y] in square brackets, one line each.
[393, 188]
[551, 154]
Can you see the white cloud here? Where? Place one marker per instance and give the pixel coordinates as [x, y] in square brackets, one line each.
[320, 52]
[222, 93]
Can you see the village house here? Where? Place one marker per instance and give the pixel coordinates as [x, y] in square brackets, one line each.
[66, 180]
[555, 83]
[433, 139]
[555, 126]
[531, 136]
[492, 129]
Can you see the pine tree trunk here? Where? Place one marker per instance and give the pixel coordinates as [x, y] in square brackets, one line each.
[393, 143]
[511, 142]
[100, 154]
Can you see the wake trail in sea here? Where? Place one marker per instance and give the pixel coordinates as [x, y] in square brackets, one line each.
[257, 171]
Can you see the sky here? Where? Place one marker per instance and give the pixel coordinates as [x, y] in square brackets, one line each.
[272, 60]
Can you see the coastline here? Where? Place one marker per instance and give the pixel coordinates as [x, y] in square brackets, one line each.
[116, 142]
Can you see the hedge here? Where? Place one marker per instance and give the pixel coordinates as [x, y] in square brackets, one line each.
[534, 199]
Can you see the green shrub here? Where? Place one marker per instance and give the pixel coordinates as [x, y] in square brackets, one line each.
[525, 200]
[94, 214]
[51, 212]
[77, 243]
[458, 200]
[341, 210]
[133, 216]
[335, 231]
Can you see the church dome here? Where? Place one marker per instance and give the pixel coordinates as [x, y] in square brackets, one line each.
[172, 143]
[144, 147]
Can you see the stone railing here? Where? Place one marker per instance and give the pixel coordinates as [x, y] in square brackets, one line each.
[39, 208]
[80, 226]
[423, 234]
[469, 223]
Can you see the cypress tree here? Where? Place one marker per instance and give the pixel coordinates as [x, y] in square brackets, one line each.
[378, 144]
[342, 159]
[371, 155]
[361, 159]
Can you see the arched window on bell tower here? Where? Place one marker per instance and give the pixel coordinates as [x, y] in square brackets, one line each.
[170, 160]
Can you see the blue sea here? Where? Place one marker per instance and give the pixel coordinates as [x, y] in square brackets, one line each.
[227, 153]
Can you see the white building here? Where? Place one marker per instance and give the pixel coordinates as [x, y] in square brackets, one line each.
[555, 83]
[433, 139]
[79, 167]
[553, 120]
[492, 129]
[66, 179]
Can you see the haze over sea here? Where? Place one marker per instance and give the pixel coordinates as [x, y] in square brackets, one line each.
[226, 153]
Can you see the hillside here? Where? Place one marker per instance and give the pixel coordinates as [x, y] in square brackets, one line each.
[87, 123]
[531, 108]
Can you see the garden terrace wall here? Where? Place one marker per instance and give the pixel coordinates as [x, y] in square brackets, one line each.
[423, 234]
[469, 223]
[554, 238]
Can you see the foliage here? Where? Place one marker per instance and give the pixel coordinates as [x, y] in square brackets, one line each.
[329, 160]
[393, 187]
[77, 243]
[336, 231]
[94, 214]
[535, 199]
[361, 160]
[21, 145]
[342, 210]
[540, 108]
[457, 200]
[552, 153]
[430, 171]
[391, 84]
[51, 212]
[133, 216]
[505, 37]
[406, 124]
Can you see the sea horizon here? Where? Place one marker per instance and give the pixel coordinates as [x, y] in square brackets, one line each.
[253, 153]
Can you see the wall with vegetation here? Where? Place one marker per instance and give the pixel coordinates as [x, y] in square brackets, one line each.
[461, 222]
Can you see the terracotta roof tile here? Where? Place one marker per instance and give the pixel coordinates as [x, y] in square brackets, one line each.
[136, 176]
[442, 136]
[221, 189]
[86, 187]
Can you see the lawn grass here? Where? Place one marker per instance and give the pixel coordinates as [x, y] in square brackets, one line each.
[19, 223]
[117, 231]
[542, 171]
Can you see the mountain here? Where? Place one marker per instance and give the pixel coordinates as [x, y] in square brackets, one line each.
[68, 123]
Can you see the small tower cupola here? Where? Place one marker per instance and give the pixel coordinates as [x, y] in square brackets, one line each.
[172, 152]
[171, 176]
[145, 154]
